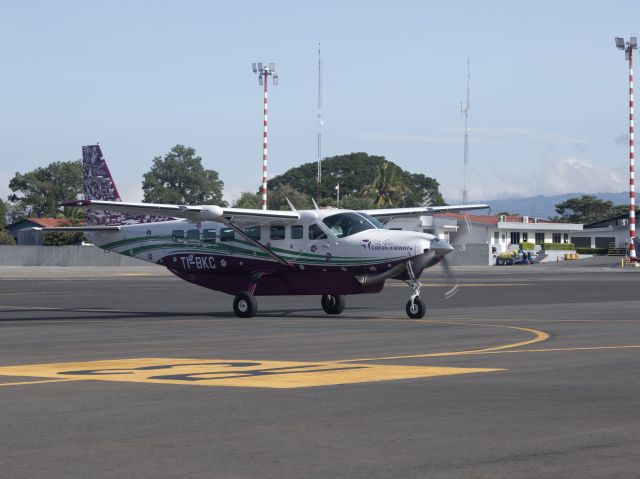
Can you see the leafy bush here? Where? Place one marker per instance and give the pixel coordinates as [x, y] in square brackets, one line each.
[591, 250]
[6, 238]
[558, 246]
[527, 246]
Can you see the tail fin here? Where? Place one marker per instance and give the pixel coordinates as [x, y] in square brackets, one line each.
[99, 185]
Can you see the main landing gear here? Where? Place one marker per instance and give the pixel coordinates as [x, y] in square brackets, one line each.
[415, 306]
[245, 305]
[333, 303]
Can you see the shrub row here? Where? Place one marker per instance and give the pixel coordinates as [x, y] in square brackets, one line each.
[556, 246]
[591, 250]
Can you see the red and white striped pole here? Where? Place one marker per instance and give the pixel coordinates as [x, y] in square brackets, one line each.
[264, 146]
[632, 192]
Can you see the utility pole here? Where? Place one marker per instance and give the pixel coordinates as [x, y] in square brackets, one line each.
[264, 72]
[465, 110]
[628, 48]
[319, 179]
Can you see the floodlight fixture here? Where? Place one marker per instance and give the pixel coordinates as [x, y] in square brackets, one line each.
[272, 67]
[254, 67]
[275, 79]
[619, 43]
[260, 81]
[260, 67]
[633, 42]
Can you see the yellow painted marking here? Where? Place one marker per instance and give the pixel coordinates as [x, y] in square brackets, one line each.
[538, 336]
[551, 350]
[23, 383]
[239, 373]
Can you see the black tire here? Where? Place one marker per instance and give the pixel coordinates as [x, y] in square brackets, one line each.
[245, 305]
[500, 262]
[333, 303]
[416, 309]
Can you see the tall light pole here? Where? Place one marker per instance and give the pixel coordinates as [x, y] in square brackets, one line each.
[264, 72]
[628, 48]
[319, 156]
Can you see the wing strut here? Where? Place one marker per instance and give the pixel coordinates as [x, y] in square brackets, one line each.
[238, 230]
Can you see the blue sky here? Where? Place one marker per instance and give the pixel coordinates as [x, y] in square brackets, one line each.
[548, 88]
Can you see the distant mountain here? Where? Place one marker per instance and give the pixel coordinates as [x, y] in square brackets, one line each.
[545, 206]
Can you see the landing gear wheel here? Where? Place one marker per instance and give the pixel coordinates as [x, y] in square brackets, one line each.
[416, 308]
[333, 303]
[245, 305]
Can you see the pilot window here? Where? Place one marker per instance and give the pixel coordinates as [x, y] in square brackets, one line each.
[316, 233]
[296, 232]
[227, 234]
[193, 235]
[253, 232]
[277, 233]
[347, 224]
[177, 235]
[209, 236]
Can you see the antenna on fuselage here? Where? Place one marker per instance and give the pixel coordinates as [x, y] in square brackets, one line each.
[315, 205]
[293, 208]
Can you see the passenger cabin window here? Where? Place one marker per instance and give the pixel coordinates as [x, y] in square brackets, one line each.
[347, 224]
[253, 232]
[227, 234]
[209, 236]
[315, 233]
[193, 235]
[296, 232]
[177, 236]
[277, 232]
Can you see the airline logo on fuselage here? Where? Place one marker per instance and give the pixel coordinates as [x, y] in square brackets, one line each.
[383, 245]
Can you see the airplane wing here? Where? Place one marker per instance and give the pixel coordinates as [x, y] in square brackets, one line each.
[389, 213]
[72, 229]
[192, 213]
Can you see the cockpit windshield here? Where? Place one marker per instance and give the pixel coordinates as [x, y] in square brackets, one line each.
[347, 224]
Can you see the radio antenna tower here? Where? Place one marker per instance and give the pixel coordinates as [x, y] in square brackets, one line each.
[319, 179]
[264, 72]
[465, 110]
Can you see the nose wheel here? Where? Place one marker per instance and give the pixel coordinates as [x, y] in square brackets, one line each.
[415, 306]
[333, 303]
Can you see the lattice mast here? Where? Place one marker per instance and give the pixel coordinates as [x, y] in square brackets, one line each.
[320, 123]
[264, 72]
[465, 110]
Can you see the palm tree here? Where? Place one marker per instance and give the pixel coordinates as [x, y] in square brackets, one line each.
[387, 188]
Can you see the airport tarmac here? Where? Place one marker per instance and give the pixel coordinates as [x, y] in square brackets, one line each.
[527, 371]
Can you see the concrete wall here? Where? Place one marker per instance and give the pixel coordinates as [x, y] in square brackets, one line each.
[63, 256]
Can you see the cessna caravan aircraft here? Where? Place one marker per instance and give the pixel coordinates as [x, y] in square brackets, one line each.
[247, 253]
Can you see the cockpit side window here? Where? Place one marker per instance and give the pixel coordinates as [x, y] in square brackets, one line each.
[347, 224]
[315, 233]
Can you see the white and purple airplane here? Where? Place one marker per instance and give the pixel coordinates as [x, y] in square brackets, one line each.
[251, 252]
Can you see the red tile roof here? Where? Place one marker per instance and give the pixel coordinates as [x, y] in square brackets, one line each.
[49, 222]
[486, 219]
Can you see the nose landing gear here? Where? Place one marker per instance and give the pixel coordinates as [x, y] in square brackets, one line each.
[333, 303]
[415, 306]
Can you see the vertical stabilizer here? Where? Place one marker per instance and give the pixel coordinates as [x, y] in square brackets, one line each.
[99, 185]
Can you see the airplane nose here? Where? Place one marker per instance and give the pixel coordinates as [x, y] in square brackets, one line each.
[441, 247]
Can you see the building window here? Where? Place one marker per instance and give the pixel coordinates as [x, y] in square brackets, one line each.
[496, 237]
[565, 237]
[539, 238]
[556, 238]
[296, 232]
[525, 237]
[515, 237]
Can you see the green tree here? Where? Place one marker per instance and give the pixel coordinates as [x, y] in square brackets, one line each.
[248, 200]
[59, 238]
[6, 239]
[587, 209]
[3, 214]
[354, 172]
[38, 192]
[180, 178]
[387, 189]
[277, 200]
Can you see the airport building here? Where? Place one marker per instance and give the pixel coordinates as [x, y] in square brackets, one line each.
[609, 233]
[478, 238]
